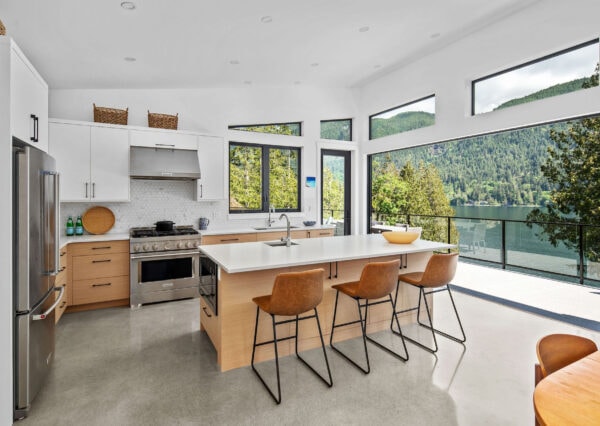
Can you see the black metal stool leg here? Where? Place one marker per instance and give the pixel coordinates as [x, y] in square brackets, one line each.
[330, 382]
[399, 332]
[456, 339]
[278, 397]
[363, 330]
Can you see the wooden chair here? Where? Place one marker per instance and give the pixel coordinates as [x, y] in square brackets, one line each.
[377, 281]
[556, 351]
[437, 275]
[294, 293]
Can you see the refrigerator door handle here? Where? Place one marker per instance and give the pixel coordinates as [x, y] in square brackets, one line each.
[43, 315]
[51, 221]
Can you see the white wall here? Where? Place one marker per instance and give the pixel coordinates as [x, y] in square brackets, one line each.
[547, 27]
[6, 321]
[213, 110]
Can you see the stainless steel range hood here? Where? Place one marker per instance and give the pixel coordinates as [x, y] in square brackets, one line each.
[159, 163]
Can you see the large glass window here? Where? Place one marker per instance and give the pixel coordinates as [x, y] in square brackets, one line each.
[340, 130]
[263, 175]
[291, 129]
[562, 72]
[413, 115]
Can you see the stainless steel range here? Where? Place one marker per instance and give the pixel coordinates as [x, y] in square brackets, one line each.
[164, 265]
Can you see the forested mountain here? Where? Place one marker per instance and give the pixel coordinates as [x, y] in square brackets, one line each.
[557, 89]
[400, 123]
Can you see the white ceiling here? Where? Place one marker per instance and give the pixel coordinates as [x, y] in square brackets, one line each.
[192, 43]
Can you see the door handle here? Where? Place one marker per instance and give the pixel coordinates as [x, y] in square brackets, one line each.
[42, 316]
[86, 190]
[35, 137]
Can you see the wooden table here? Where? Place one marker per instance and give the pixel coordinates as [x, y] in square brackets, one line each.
[571, 395]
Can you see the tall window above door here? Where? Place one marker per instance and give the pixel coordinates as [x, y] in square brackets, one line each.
[340, 130]
[263, 175]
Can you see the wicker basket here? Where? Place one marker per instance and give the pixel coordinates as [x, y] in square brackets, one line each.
[2, 28]
[110, 115]
[163, 121]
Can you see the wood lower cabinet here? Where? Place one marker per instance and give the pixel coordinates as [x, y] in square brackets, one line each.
[319, 233]
[229, 238]
[61, 281]
[99, 274]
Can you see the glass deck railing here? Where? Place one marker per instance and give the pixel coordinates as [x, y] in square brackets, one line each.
[513, 244]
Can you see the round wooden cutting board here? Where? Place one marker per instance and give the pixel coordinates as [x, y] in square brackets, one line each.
[98, 220]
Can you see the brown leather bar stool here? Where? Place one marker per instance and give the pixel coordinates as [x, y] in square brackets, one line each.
[437, 275]
[294, 293]
[377, 280]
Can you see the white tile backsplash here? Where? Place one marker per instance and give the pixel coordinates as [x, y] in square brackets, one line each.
[151, 201]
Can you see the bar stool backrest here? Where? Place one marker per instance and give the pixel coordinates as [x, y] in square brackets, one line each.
[556, 351]
[296, 292]
[440, 270]
[378, 279]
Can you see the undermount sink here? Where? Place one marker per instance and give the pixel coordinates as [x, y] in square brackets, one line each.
[274, 228]
[280, 243]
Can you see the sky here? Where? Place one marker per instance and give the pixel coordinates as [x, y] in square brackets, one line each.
[523, 81]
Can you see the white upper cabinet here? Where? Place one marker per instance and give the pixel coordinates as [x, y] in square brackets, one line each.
[157, 138]
[211, 154]
[28, 101]
[93, 161]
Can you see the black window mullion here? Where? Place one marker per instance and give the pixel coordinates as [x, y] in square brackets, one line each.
[266, 171]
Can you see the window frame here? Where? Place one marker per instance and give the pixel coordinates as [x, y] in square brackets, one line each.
[393, 108]
[338, 119]
[265, 177]
[242, 127]
[526, 64]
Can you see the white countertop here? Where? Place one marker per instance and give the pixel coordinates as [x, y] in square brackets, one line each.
[250, 230]
[245, 257]
[89, 238]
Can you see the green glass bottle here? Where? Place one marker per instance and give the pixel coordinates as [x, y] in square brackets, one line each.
[70, 227]
[78, 226]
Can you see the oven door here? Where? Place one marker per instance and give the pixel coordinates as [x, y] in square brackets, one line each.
[165, 273]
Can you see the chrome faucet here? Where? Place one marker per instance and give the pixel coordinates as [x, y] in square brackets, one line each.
[287, 239]
[271, 210]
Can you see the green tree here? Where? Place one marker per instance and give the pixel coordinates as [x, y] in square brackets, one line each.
[573, 167]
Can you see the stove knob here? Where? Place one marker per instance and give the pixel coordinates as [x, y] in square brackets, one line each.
[155, 246]
[197, 243]
[181, 245]
[136, 248]
[146, 247]
[167, 246]
[190, 244]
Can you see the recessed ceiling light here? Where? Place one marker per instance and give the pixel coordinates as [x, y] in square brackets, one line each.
[363, 29]
[234, 62]
[129, 59]
[248, 82]
[314, 64]
[128, 5]
[377, 66]
[297, 83]
[435, 35]
[266, 19]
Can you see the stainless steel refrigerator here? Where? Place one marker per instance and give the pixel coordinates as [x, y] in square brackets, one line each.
[35, 265]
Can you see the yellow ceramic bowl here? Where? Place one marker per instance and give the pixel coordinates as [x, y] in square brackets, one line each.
[401, 237]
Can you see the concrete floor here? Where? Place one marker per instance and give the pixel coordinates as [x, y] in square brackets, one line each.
[153, 366]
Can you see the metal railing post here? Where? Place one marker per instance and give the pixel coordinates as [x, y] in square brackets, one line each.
[503, 245]
[581, 259]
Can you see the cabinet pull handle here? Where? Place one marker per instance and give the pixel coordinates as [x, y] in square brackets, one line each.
[323, 233]
[63, 253]
[101, 285]
[229, 239]
[86, 190]
[201, 191]
[164, 144]
[36, 129]
[62, 269]
[93, 189]
[101, 248]
[206, 312]
[101, 261]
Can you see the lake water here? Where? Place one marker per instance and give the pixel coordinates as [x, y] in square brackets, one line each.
[493, 212]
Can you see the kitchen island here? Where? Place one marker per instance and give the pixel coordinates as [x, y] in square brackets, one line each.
[247, 270]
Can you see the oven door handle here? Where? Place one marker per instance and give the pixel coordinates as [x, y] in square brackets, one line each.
[163, 255]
